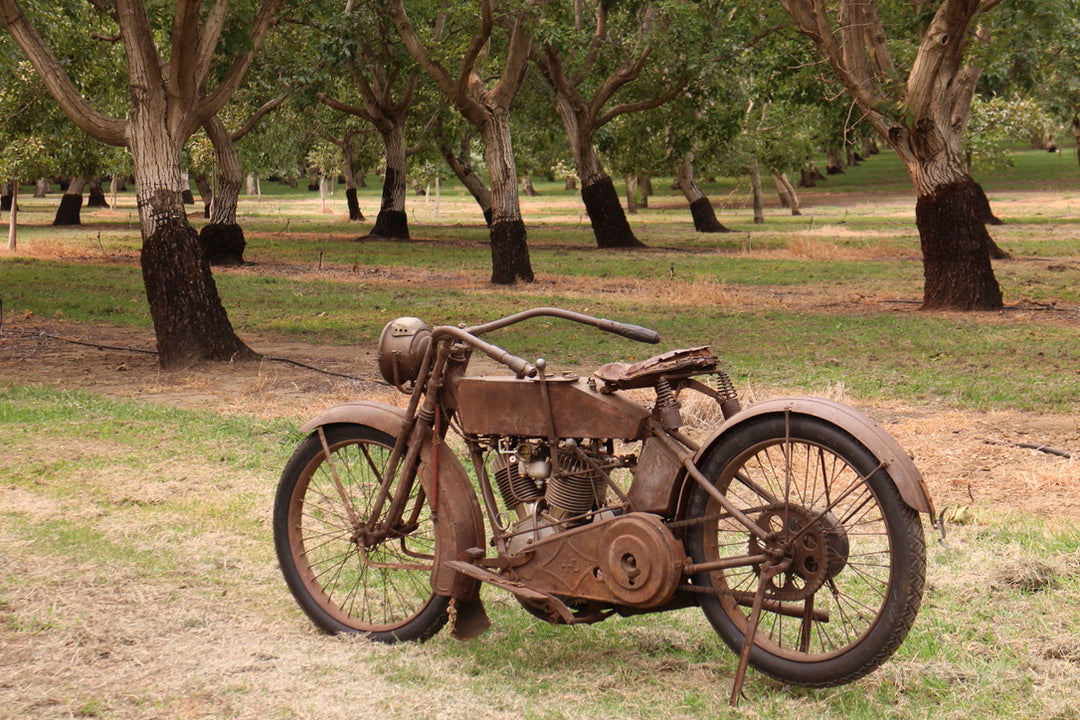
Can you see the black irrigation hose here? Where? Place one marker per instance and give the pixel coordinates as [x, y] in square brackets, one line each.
[101, 346]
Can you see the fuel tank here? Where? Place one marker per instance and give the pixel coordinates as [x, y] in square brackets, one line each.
[504, 405]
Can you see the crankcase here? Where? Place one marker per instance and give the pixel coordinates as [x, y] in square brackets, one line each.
[631, 560]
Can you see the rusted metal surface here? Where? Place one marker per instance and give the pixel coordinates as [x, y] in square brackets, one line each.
[909, 481]
[573, 545]
[631, 560]
[507, 406]
[461, 524]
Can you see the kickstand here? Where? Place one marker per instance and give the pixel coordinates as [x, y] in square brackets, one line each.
[768, 572]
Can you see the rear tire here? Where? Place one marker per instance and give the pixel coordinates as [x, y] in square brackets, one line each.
[379, 589]
[855, 552]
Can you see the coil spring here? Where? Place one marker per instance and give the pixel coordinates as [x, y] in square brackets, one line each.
[670, 417]
[729, 404]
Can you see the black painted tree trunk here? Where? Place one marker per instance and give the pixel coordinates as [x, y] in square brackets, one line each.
[353, 204]
[954, 240]
[222, 239]
[510, 261]
[606, 215]
[69, 211]
[392, 222]
[701, 208]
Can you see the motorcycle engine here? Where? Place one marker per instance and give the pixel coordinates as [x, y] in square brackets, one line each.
[547, 499]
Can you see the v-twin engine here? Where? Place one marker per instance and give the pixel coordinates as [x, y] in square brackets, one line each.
[550, 491]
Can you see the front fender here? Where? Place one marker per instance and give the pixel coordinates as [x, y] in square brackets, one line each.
[458, 523]
[909, 481]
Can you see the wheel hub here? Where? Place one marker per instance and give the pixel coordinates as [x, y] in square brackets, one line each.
[811, 546]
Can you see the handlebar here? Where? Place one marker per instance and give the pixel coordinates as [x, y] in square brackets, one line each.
[522, 367]
[627, 330]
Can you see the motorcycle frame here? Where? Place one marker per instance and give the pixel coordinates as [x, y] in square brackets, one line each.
[420, 432]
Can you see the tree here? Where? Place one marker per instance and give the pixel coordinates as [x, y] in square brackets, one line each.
[222, 239]
[587, 66]
[923, 117]
[488, 109]
[170, 97]
[386, 79]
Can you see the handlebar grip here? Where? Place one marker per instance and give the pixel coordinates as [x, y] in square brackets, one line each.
[636, 332]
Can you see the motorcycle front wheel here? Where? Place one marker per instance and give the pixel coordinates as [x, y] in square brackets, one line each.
[344, 578]
[847, 557]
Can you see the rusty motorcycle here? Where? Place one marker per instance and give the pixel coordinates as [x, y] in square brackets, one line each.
[792, 523]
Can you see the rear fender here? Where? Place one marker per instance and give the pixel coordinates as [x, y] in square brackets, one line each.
[459, 525]
[909, 481]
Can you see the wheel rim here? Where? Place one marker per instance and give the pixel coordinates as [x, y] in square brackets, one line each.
[828, 530]
[374, 586]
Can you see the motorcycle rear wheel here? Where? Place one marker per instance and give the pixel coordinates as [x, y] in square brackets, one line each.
[854, 552]
[345, 585]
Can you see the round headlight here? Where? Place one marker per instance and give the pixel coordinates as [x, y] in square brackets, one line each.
[402, 346]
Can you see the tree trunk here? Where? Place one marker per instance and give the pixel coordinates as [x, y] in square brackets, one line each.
[353, 204]
[96, 195]
[189, 320]
[206, 192]
[1076, 136]
[809, 175]
[956, 261]
[789, 198]
[351, 201]
[222, 240]
[645, 189]
[755, 185]
[6, 195]
[631, 201]
[701, 209]
[41, 187]
[69, 211]
[951, 213]
[392, 222]
[527, 186]
[462, 169]
[510, 262]
[834, 161]
[114, 187]
[609, 223]
[13, 218]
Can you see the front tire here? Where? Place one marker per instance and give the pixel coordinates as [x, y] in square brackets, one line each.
[853, 551]
[381, 587]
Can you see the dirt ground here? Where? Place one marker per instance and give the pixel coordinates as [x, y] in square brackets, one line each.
[1005, 460]
[93, 639]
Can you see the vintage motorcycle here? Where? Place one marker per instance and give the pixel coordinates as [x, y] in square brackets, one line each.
[793, 524]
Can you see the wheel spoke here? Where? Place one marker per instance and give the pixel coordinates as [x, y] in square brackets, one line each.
[346, 578]
[834, 519]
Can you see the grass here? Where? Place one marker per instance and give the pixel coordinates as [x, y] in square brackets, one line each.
[140, 578]
[111, 562]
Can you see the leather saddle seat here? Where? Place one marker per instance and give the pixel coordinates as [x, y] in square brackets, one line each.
[674, 364]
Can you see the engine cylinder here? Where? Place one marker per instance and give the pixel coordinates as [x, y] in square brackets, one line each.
[514, 487]
[576, 488]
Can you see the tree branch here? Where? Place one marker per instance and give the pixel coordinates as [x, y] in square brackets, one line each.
[264, 21]
[361, 112]
[252, 121]
[112, 131]
[642, 104]
[208, 40]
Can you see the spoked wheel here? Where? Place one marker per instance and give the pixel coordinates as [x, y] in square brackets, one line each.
[347, 573]
[837, 578]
